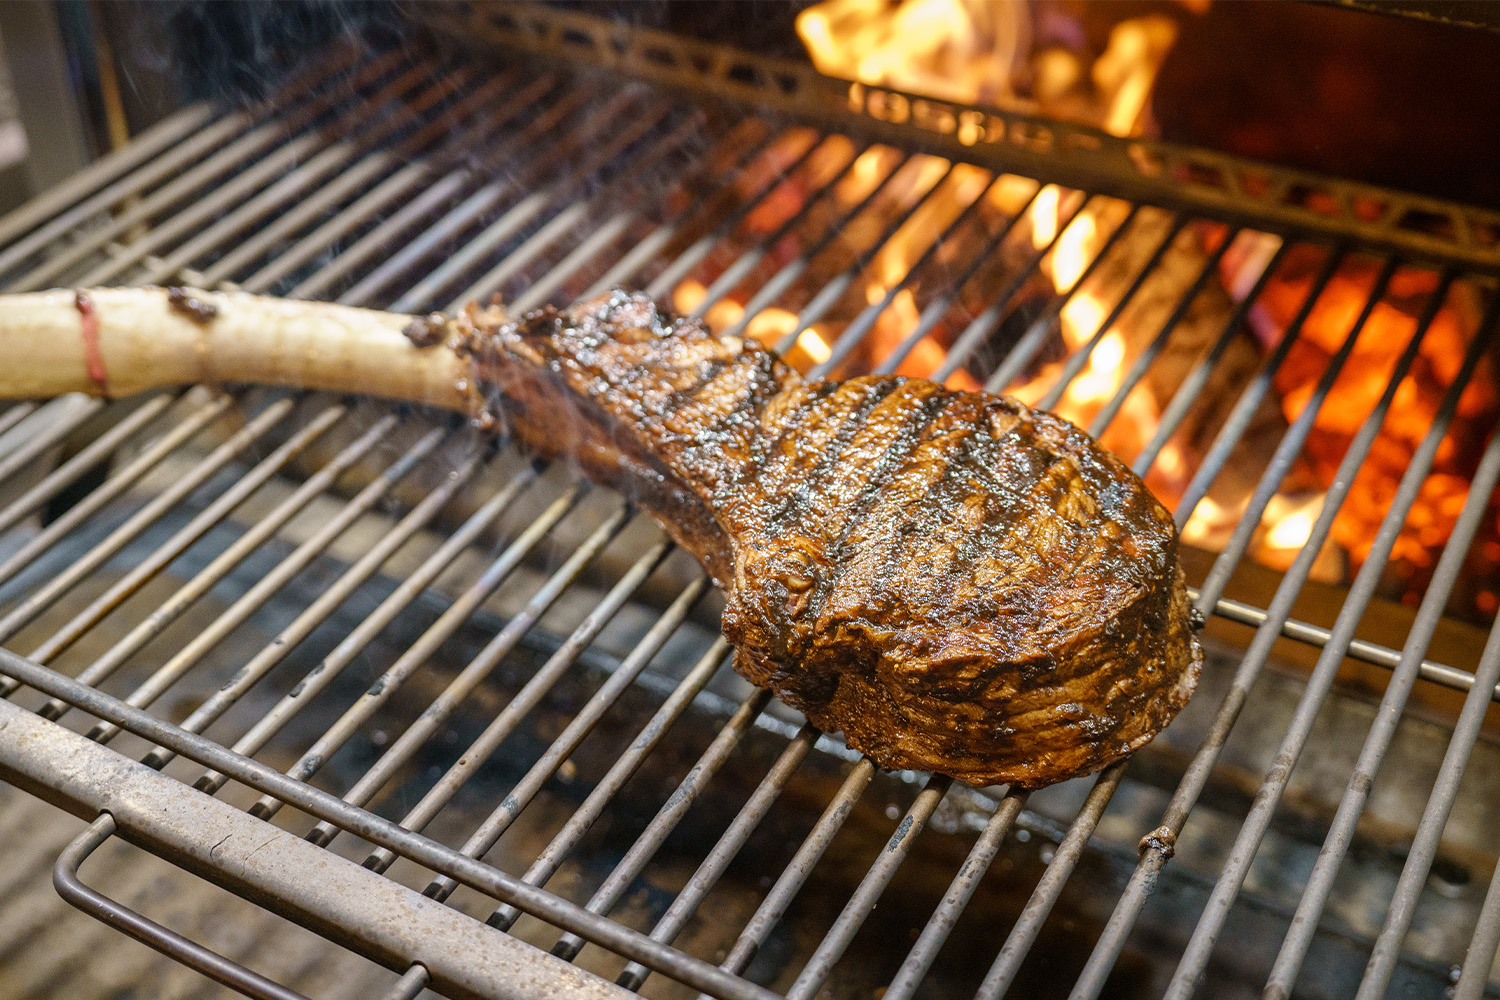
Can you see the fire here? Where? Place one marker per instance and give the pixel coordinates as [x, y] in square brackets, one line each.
[846, 238]
[1366, 374]
[1290, 522]
[1075, 249]
[1211, 524]
[1128, 69]
[960, 51]
[973, 51]
[1044, 217]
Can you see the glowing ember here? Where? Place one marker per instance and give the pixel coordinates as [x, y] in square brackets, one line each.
[1211, 524]
[1044, 217]
[1075, 249]
[1290, 522]
[1367, 373]
[835, 222]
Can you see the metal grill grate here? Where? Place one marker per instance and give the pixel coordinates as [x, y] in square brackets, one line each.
[489, 682]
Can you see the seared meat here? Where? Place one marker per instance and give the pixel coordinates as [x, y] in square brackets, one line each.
[955, 581]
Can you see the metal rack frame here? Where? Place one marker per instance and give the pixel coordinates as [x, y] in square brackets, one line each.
[307, 197]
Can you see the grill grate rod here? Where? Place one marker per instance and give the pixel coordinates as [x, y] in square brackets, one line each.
[254, 597]
[88, 457]
[420, 730]
[741, 269]
[863, 324]
[168, 611]
[1475, 971]
[1111, 409]
[1424, 845]
[434, 237]
[182, 539]
[1378, 740]
[925, 951]
[724, 850]
[554, 194]
[960, 351]
[1320, 681]
[1049, 887]
[716, 183]
[247, 198]
[510, 717]
[293, 184]
[983, 326]
[574, 215]
[593, 807]
[182, 139]
[1193, 386]
[1287, 451]
[432, 126]
[816, 971]
[14, 414]
[324, 806]
[773, 907]
[53, 209]
[58, 421]
[1079, 358]
[488, 833]
[1243, 414]
[341, 656]
[210, 963]
[831, 292]
[662, 285]
[435, 191]
[47, 594]
[209, 172]
[420, 651]
[114, 486]
[418, 181]
[411, 985]
[608, 895]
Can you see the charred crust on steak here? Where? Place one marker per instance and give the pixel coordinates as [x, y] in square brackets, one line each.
[1161, 841]
[427, 331]
[955, 581]
[185, 303]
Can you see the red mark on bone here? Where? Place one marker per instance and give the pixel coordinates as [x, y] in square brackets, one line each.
[93, 357]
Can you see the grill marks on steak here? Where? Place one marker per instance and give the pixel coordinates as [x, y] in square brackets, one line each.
[955, 581]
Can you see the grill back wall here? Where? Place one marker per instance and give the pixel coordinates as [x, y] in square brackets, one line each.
[333, 630]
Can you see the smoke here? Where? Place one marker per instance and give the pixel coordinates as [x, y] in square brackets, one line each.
[243, 51]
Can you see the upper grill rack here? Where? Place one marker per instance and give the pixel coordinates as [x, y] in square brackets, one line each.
[1253, 193]
[393, 587]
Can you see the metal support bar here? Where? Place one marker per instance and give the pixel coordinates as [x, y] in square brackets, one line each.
[147, 931]
[52, 763]
[210, 838]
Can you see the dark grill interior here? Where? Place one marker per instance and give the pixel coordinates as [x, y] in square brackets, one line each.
[344, 619]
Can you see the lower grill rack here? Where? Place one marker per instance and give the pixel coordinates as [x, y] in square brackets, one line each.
[470, 718]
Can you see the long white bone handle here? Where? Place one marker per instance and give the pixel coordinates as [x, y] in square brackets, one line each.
[119, 341]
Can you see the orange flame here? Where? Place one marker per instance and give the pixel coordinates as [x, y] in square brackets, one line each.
[952, 49]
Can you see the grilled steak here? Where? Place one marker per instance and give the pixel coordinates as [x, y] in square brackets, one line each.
[957, 582]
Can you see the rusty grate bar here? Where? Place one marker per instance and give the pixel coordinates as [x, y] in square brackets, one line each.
[387, 573]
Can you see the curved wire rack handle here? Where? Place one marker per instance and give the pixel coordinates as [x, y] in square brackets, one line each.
[149, 932]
